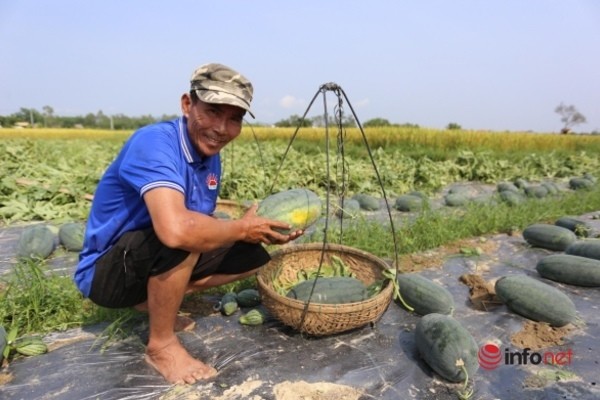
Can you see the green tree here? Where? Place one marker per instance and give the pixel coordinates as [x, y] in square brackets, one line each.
[409, 125]
[30, 115]
[48, 115]
[569, 116]
[294, 121]
[453, 126]
[374, 122]
[48, 118]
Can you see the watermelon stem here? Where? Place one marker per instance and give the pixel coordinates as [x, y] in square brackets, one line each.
[391, 275]
[464, 394]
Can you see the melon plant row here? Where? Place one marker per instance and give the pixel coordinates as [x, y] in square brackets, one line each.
[450, 349]
[507, 192]
[60, 188]
[579, 263]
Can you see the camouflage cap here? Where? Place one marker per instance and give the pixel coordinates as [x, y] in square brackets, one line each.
[219, 84]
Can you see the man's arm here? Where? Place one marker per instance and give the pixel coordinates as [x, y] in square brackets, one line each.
[178, 227]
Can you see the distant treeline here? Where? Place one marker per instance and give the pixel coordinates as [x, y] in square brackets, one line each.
[29, 117]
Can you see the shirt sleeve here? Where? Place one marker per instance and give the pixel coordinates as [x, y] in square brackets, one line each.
[151, 161]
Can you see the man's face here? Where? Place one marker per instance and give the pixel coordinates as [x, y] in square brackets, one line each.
[211, 126]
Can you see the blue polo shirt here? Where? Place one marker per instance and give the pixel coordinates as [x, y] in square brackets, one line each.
[158, 155]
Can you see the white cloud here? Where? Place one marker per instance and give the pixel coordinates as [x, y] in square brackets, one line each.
[289, 101]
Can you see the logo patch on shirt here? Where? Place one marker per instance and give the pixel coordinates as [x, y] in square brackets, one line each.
[212, 182]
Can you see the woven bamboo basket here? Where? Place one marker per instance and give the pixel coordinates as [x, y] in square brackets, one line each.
[323, 319]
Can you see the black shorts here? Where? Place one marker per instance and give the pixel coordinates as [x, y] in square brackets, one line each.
[121, 275]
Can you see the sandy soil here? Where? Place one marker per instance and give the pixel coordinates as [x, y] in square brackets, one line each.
[540, 335]
[287, 390]
[314, 391]
[481, 292]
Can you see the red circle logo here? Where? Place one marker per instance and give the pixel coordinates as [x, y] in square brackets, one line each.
[489, 356]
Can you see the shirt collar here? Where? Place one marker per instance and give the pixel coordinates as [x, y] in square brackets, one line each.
[189, 152]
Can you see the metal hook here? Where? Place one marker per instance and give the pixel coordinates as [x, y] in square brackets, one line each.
[330, 86]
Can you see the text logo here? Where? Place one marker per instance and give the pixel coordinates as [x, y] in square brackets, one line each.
[490, 357]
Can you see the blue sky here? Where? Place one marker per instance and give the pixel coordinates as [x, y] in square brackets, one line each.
[498, 65]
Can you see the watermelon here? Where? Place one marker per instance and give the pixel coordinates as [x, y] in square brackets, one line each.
[36, 242]
[300, 208]
[70, 235]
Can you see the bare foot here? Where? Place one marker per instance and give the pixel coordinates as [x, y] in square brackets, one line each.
[176, 365]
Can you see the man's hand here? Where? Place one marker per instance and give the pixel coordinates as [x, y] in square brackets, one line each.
[259, 229]
[180, 228]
